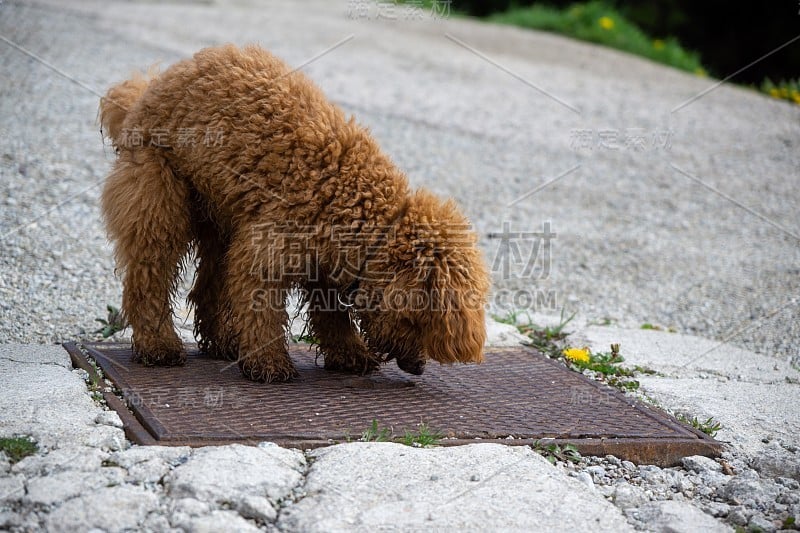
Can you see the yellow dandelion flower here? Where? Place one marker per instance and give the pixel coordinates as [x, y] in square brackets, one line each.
[701, 72]
[658, 44]
[796, 97]
[775, 93]
[607, 23]
[784, 92]
[578, 355]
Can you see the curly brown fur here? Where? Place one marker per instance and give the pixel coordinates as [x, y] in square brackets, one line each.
[287, 176]
[211, 318]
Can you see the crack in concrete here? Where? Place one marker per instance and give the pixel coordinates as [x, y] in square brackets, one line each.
[674, 373]
[298, 492]
[724, 378]
[45, 363]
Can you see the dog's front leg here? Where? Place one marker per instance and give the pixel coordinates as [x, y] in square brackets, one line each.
[258, 315]
[331, 324]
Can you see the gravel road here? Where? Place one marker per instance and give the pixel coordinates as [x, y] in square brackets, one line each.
[673, 200]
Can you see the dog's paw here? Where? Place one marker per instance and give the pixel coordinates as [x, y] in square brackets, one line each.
[362, 364]
[267, 372]
[162, 357]
[217, 350]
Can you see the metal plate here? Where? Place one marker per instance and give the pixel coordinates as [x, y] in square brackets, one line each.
[516, 397]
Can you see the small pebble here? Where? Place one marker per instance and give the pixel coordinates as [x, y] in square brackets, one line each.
[585, 478]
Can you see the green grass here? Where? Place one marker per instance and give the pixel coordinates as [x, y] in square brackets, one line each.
[304, 338]
[96, 383]
[709, 426]
[599, 22]
[644, 370]
[376, 434]
[656, 327]
[547, 339]
[17, 448]
[609, 366]
[554, 452]
[423, 437]
[510, 318]
[113, 323]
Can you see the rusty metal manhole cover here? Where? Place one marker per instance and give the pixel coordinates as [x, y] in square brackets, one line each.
[516, 393]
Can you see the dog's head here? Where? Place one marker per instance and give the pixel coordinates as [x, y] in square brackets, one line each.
[424, 294]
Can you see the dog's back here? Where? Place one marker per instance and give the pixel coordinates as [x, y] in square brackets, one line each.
[243, 112]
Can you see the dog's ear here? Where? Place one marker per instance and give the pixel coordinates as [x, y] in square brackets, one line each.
[443, 314]
[456, 331]
[440, 267]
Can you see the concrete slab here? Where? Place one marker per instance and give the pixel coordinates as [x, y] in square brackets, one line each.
[45, 400]
[115, 508]
[752, 395]
[52, 490]
[250, 479]
[678, 355]
[379, 486]
[751, 414]
[34, 354]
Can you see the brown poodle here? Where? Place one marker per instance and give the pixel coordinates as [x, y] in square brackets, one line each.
[235, 157]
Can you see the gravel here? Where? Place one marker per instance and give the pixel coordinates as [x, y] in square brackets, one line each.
[743, 498]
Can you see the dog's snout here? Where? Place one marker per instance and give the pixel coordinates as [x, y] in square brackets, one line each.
[411, 365]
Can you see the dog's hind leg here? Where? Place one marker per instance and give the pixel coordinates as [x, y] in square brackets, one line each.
[146, 209]
[331, 324]
[211, 308]
[257, 294]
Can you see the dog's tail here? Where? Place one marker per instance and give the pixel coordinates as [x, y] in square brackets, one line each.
[118, 101]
